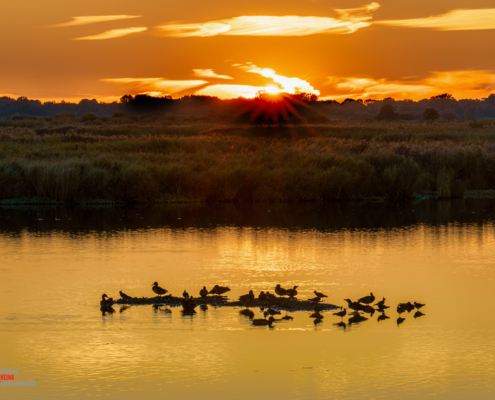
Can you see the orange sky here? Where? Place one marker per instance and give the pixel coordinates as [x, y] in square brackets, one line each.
[56, 49]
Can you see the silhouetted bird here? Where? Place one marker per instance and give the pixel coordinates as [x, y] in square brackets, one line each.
[400, 320]
[383, 317]
[318, 321]
[315, 299]
[106, 301]
[400, 309]
[292, 292]
[246, 298]
[316, 315]
[418, 314]
[369, 310]
[356, 319]
[123, 296]
[185, 294]
[341, 314]
[247, 313]
[219, 290]
[203, 292]
[318, 307]
[382, 307]
[280, 290]
[367, 299]
[158, 290]
[381, 303]
[407, 306]
[263, 322]
[270, 296]
[106, 309]
[320, 295]
[354, 305]
[262, 296]
[271, 311]
[418, 305]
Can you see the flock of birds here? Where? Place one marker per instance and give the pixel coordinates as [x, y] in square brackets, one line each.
[357, 309]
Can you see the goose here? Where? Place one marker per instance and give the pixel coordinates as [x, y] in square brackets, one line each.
[367, 299]
[341, 314]
[320, 295]
[123, 296]
[280, 290]
[158, 290]
[203, 292]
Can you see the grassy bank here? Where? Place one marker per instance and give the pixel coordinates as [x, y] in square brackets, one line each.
[181, 160]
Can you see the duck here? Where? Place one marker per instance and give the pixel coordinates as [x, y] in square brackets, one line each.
[280, 290]
[354, 305]
[203, 292]
[400, 320]
[381, 303]
[185, 294]
[270, 296]
[247, 313]
[292, 292]
[158, 290]
[247, 297]
[106, 301]
[418, 314]
[382, 317]
[418, 305]
[341, 314]
[320, 295]
[263, 322]
[262, 296]
[367, 299]
[219, 289]
[123, 296]
[272, 312]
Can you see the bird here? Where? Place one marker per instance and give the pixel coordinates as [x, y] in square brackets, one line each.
[247, 297]
[400, 309]
[270, 296]
[158, 290]
[381, 303]
[263, 322]
[204, 307]
[369, 310]
[356, 319]
[106, 301]
[341, 314]
[280, 290]
[315, 299]
[418, 305]
[407, 306]
[185, 294]
[367, 299]
[317, 321]
[262, 296]
[123, 296]
[316, 315]
[219, 290]
[247, 312]
[418, 314]
[320, 295]
[271, 311]
[383, 317]
[400, 320]
[203, 292]
[354, 305]
[382, 307]
[292, 292]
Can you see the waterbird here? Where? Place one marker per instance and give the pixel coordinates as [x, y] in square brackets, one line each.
[381, 303]
[400, 309]
[270, 296]
[354, 305]
[280, 290]
[369, 310]
[316, 315]
[318, 307]
[271, 311]
[320, 295]
[382, 317]
[292, 292]
[263, 322]
[367, 299]
[185, 294]
[219, 289]
[383, 307]
[203, 292]
[247, 313]
[418, 314]
[247, 297]
[400, 320]
[341, 314]
[262, 296]
[158, 290]
[418, 305]
[356, 319]
[106, 301]
[123, 296]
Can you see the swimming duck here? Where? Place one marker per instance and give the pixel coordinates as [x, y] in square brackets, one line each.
[341, 314]
[418, 314]
[270, 296]
[381, 303]
[400, 320]
[354, 305]
[263, 322]
[247, 297]
[262, 296]
[271, 311]
[418, 305]
[367, 299]
[158, 290]
[123, 296]
[383, 317]
[292, 292]
[320, 295]
[203, 292]
[185, 294]
[247, 312]
[280, 290]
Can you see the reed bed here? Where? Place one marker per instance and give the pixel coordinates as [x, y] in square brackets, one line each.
[204, 162]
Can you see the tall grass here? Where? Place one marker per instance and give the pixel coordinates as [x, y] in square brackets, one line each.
[206, 162]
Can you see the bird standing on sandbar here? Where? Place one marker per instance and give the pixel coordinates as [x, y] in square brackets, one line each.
[123, 296]
[367, 299]
[292, 292]
[341, 314]
[203, 292]
[262, 296]
[270, 296]
[158, 290]
[247, 298]
[280, 290]
[320, 295]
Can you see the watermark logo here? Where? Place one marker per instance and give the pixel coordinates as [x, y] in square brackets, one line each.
[8, 378]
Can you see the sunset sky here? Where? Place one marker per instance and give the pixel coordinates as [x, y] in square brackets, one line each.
[59, 49]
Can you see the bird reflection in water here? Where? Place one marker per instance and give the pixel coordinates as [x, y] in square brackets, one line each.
[382, 317]
[204, 307]
[159, 307]
[400, 320]
[418, 314]
[188, 306]
[357, 319]
[106, 309]
[342, 325]
[247, 313]
[123, 308]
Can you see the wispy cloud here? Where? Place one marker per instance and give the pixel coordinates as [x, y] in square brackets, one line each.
[94, 19]
[155, 86]
[230, 91]
[462, 84]
[113, 33]
[456, 20]
[348, 21]
[209, 73]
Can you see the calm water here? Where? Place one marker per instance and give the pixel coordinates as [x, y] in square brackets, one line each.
[56, 263]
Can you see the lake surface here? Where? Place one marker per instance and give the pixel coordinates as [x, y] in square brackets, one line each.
[56, 263]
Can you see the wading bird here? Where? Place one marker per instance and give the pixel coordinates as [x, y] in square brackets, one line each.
[418, 305]
[341, 314]
[381, 303]
[280, 290]
[367, 299]
[203, 292]
[292, 292]
[123, 296]
[158, 290]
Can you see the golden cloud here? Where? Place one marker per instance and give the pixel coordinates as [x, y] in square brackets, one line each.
[155, 86]
[456, 20]
[113, 33]
[230, 91]
[349, 21]
[209, 73]
[94, 19]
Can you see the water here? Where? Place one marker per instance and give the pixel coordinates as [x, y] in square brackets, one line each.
[56, 263]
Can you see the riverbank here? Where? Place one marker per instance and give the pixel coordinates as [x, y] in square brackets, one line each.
[206, 162]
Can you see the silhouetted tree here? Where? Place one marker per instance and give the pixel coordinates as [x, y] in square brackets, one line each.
[387, 111]
[126, 98]
[430, 114]
[444, 96]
